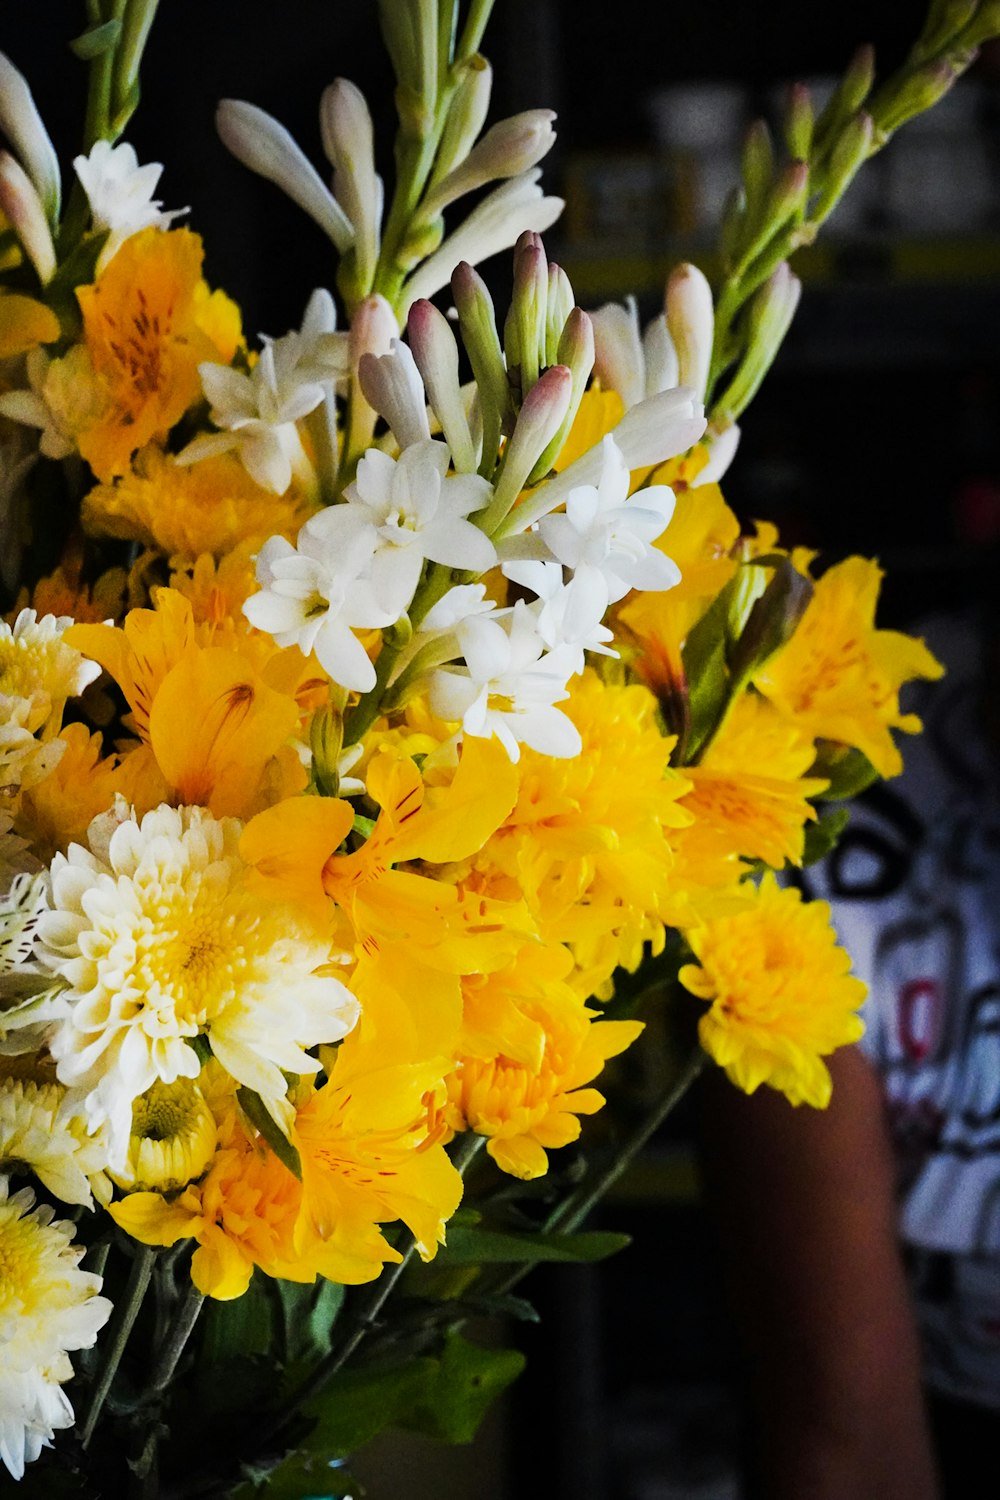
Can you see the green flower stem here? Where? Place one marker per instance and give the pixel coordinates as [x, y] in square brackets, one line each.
[467, 1150]
[125, 1315]
[180, 1330]
[475, 24]
[415, 153]
[575, 1207]
[102, 75]
[359, 719]
[136, 22]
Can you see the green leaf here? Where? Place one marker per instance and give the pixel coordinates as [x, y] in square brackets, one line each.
[772, 620]
[822, 836]
[302, 1476]
[240, 1328]
[467, 1382]
[359, 1404]
[309, 1312]
[469, 1247]
[260, 1116]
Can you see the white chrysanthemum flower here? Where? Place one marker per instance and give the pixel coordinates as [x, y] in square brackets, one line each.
[606, 536]
[418, 511]
[120, 194]
[36, 663]
[42, 1129]
[47, 1308]
[166, 939]
[509, 685]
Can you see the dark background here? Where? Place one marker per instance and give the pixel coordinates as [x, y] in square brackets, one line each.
[876, 432]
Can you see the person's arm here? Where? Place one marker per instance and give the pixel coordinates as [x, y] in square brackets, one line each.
[804, 1204]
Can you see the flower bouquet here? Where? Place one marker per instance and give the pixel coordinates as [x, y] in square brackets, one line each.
[394, 721]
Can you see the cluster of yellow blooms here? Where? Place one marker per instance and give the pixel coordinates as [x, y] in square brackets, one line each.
[438, 940]
[272, 939]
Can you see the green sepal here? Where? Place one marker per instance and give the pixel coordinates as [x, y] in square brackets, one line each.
[96, 41]
[261, 1118]
[468, 1246]
[822, 837]
[848, 771]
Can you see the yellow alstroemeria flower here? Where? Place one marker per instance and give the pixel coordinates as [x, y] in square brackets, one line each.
[839, 676]
[148, 322]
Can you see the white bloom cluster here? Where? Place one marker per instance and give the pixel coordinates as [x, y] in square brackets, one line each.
[160, 937]
[258, 413]
[357, 565]
[48, 1306]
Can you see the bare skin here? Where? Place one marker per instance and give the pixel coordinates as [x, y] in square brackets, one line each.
[806, 1214]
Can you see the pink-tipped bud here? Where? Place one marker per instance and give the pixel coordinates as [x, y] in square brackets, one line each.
[20, 202]
[435, 351]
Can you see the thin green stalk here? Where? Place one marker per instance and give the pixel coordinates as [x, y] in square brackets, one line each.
[180, 1330]
[102, 72]
[136, 23]
[125, 1315]
[574, 1208]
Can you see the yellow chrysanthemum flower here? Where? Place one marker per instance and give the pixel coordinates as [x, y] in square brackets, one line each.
[217, 591]
[58, 810]
[172, 1140]
[242, 1213]
[38, 1132]
[185, 510]
[63, 592]
[587, 842]
[751, 785]
[839, 677]
[526, 1111]
[781, 992]
[47, 1308]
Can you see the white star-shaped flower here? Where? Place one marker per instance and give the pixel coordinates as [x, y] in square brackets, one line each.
[316, 594]
[120, 194]
[418, 511]
[509, 686]
[607, 536]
